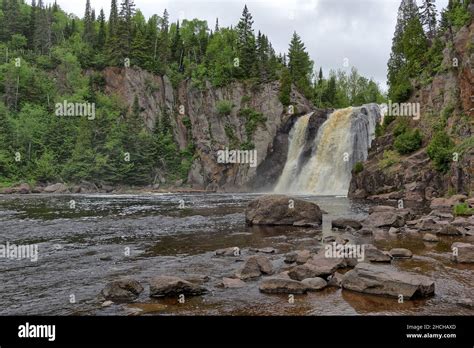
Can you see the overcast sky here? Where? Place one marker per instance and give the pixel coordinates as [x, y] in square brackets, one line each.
[334, 31]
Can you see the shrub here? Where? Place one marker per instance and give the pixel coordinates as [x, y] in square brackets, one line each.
[389, 159]
[462, 209]
[358, 167]
[440, 150]
[224, 107]
[408, 142]
[400, 128]
[253, 119]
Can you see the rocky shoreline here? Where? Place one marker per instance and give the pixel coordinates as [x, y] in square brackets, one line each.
[366, 269]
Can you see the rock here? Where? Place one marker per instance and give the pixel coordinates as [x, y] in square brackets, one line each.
[314, 284]
[385, 219]
[373, 254]
[267, 250]
[23, 189]
[233, 283]
[122, 290]
[365, 231]
[461, 222]
[336, 280]
[197, 278]
[254, 267]
[445, 228]
[381, 208]
[56, 188]
[282, 286]
[317, 266]
[283, 210]
[106, 303]
[428, 237]
[466, 303]
[462, 252]
[172, 286]
[393, 230]
[232, 251]
[302, 256]
[441, 214]
[385, 280]
[342, 223]
[400, 253]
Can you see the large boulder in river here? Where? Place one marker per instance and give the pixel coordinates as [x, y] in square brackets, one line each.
[172, 286]
[385, 280]
[317, 266]
[385, 219]
[125, 290]
[283, 210]
[343, 223]
[463, 252]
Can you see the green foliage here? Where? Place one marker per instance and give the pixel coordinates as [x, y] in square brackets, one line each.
[285, 88]
[358, 167]
[252, 120]
[408, 141]
[462, 209]
[440, 150]
[224, 107]
[389, 159]
[401, 127]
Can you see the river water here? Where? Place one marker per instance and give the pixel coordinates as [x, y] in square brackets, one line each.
[86, 241]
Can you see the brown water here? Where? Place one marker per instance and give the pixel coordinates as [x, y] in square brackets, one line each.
[83, 248]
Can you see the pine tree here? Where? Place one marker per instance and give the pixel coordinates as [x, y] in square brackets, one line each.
[42, 36]
[88, 35]
[216, 28]
[102, 36]
[428, 17]
[125, 29]
[300, 64]
[246, 45]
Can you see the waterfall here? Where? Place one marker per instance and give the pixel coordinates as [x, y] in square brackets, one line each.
[341, 141]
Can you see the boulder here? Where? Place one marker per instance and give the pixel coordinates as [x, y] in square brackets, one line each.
[233, 283]
[197, 278]
[254, 267]
[314, 284]
[445, 228]
[385, 219]
[23, 189]
[282, 286]
[336, 280]
[428, 237]
[266, 250]
[299, 256]
[462, 252]
[56, 188]
[400, 253]
[386, 280]
[343, 223]
[122, 290]
[283, 210]
[373, 254]
[317, 266]
[381, 208]
[172, 286]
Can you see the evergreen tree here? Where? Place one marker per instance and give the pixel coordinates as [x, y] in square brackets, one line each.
[31, 25]
[88, 35]
[246, 45]
[42, 36]
[300, 65]
[102, 36]
[428, 17]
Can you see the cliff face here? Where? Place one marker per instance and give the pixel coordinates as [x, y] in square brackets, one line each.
[414, 178]
[195, 120]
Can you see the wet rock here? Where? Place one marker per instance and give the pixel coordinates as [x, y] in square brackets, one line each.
[171, 286]
[400, 253]
[385, 219]
[445, 228]
[336, 280]
[365, 231]
[233, 283]
[462, 252]
[23, 189]
[343, 223]
[426, 224]
[302, 256]
[56, 188]
[254, 267]
[385, 280]
[232, 251]
[441, 214]
[282, 286]
[317, 266]
[372, 254]
[122, 290]
[428, 237]
[106, 303]
[197, 278]
[381, 208]
[394, 230]
[267, 250]
[314, 284]
[283, 210]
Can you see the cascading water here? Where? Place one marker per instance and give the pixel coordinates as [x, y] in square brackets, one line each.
[342, 140]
